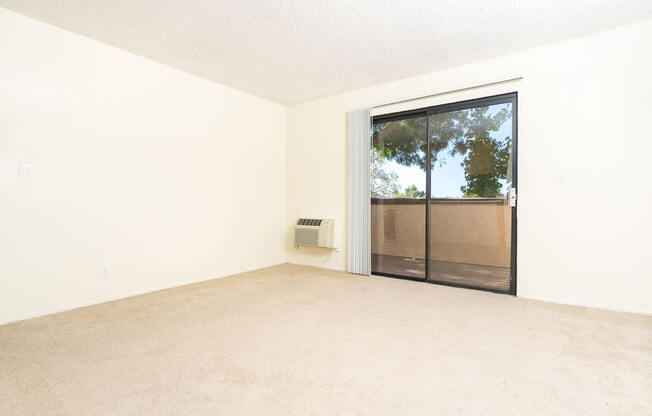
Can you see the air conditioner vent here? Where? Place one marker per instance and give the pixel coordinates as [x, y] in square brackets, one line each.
[309, 221]
[305, 237]
[314, 232]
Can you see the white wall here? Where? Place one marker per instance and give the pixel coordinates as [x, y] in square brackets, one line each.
[156, 174]
[585, 105]
[161, 176]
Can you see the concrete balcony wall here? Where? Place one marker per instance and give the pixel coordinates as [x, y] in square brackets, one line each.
[475, 231]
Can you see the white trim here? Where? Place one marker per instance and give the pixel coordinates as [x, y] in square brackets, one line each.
[450, 91]
[585, 305]
[121, 296]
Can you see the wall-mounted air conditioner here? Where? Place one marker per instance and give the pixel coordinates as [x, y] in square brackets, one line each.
[314, 232]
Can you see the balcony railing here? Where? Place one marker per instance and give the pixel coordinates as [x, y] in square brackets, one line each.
[468, 230]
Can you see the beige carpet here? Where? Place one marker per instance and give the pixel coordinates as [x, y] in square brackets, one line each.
[294, 340]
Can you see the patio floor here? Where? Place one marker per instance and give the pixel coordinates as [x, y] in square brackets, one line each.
[476, 275]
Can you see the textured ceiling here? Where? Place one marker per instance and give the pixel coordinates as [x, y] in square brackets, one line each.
[294, 50]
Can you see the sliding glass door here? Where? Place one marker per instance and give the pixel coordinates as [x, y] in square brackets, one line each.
[398, 195]
[442, 178]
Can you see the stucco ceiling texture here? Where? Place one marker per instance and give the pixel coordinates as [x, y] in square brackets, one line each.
[291, 51]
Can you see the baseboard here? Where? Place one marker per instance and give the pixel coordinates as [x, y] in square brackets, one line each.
[585, 305]
[322, 265]
[125, 295]
[537, 298]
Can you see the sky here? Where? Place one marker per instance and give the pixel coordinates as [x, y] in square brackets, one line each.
[447, 176]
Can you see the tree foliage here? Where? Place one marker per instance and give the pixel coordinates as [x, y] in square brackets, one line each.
[384, 184]
[410, 192]
[485, 164]
[464, 132]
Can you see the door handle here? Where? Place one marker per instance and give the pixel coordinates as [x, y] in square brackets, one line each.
[512, 197]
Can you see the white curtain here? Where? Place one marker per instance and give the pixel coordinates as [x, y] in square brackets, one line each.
[359, 209]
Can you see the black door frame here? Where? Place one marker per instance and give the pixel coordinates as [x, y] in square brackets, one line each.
[511, 97]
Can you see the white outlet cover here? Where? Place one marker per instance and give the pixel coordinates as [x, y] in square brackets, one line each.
[25, 170]
[104, 273]
[560, 175]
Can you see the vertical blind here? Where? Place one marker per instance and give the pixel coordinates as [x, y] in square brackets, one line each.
[359, 197]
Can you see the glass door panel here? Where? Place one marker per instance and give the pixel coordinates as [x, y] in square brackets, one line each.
[471, 177]
[398, 196]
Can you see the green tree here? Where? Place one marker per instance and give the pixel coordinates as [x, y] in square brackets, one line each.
[463, 132]
[402, 141]
[410, 192]
[485, 164]
[384, 184]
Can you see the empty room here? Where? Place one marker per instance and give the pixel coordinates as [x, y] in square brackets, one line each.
[307, 207]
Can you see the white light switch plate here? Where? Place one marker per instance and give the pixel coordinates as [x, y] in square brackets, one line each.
[25, 170]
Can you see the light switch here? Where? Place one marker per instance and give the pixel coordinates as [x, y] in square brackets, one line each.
[560, 175]
[25, 170]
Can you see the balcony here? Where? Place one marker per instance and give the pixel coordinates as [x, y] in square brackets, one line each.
[470, 240]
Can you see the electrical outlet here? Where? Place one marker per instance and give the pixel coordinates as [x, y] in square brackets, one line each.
[25, 170]
[104, 272]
